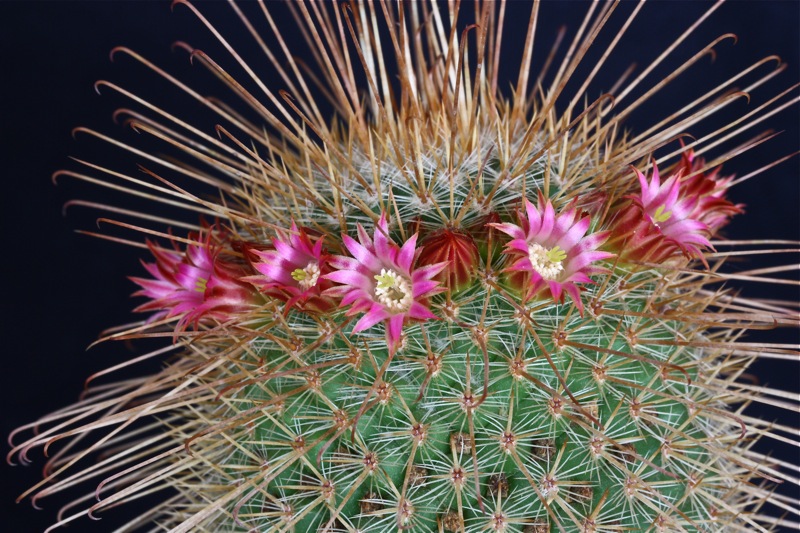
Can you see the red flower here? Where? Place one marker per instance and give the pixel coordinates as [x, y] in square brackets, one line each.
[457, 250]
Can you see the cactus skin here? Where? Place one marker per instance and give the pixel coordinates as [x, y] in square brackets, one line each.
[512, 409]
[587, 419]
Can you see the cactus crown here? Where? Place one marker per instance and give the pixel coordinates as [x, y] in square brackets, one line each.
[442, 311]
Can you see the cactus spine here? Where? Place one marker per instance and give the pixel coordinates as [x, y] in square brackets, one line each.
[444, 311]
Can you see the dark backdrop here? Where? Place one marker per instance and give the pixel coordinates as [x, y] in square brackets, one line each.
[60, 289]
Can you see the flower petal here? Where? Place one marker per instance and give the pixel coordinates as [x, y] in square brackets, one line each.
[394, 332]
[406, 254]
[377, 313]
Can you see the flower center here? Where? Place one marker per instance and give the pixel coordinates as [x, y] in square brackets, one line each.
[546, 262]
[200, 285]
[393, 290]
[661, 215]
[307, 277]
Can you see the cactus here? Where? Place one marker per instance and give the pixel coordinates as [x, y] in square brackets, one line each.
[445, 310]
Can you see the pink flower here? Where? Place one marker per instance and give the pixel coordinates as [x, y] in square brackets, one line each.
[380, 281]
[553, 250]
[661, 221]
[293, 271]
[195, 285]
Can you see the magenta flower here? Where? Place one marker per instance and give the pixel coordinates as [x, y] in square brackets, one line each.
[661, 221]
[380, 281]
[670, 212]
[194, 285]
[293, 271]
[553, 250]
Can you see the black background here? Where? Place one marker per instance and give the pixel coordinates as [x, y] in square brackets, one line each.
[60, 289]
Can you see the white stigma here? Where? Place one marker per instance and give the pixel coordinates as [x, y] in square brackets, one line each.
[393, 290]
[546, 262]
[307, 277]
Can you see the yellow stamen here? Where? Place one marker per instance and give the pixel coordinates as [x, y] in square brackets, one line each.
[556, 254]
[393, 290]
[546, 262]
[385, 280]
[200, 285]
[307, 277]
[660, 215]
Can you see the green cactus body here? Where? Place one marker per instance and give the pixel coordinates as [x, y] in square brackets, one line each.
[442, 311]
[501, 416]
